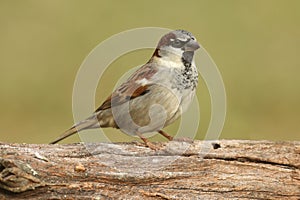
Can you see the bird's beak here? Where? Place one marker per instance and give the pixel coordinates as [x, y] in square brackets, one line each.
[192, 45]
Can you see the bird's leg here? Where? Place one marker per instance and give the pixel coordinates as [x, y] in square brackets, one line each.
[147, 142]
[169, 137]
[166, 135]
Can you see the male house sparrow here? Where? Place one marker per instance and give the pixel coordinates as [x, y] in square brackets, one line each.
[154, 96]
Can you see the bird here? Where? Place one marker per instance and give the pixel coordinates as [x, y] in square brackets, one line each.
[154, 96]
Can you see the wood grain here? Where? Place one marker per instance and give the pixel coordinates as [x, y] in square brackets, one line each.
[224, 169]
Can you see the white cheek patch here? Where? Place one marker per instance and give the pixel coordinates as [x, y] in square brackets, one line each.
[143, 81]
[171, 61]
[177, 51]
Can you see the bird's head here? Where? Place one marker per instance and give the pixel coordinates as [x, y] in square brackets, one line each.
[177, 42]
[178, 45]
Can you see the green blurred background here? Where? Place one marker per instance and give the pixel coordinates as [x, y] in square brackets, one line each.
[255, 44]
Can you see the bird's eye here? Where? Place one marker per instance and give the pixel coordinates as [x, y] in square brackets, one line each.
[177, 43]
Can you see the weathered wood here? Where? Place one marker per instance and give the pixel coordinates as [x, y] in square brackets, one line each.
[202, 170]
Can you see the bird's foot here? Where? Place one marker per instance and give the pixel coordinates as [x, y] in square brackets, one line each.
[152, 146]
[148, 143]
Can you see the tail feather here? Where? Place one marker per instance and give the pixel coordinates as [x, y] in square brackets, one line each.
[89, 123]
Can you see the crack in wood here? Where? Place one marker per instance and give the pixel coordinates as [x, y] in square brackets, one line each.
[253, 160]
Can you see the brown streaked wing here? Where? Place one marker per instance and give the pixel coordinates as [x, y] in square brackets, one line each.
[130, 89]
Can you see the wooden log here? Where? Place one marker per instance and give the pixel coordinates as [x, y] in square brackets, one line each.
[224, 169]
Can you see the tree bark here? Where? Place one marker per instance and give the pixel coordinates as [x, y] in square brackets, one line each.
[223, 169]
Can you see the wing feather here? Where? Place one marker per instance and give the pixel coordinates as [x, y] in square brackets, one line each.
[132, 88]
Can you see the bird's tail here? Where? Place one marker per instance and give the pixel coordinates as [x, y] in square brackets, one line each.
[89, 123]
